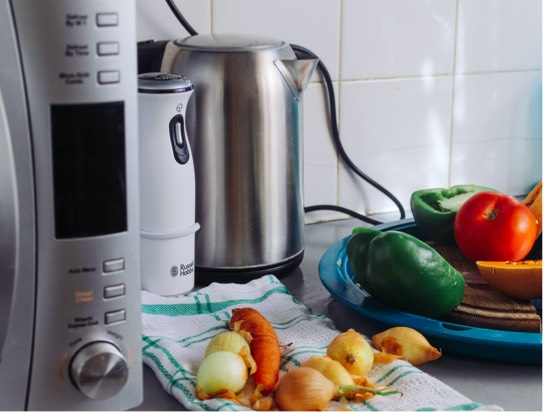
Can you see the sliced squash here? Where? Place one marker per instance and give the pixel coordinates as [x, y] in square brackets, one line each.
[522, 280]
[534, 203]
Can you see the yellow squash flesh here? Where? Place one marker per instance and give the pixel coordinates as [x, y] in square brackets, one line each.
[522, 280]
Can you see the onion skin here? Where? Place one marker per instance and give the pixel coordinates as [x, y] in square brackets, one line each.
[331, 369]
[232, 342]
[226, 341]
[304, 389]
[353, 351]
[219, 373]
[407, 343]
[307, 389]
[347, 386]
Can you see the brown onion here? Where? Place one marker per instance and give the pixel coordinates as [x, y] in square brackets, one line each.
[304, 389]
[331, 369]
[406, 343]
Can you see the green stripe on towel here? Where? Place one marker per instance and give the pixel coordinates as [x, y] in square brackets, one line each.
[191, 309]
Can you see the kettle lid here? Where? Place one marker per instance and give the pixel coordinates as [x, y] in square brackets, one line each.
[158, 82]
[228, 42]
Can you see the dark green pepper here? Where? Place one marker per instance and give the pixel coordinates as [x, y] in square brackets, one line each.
[404, 272]
[434, 210]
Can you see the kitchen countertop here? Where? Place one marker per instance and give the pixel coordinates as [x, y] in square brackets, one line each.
[510, 386]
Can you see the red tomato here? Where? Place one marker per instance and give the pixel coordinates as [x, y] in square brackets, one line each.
[495, 226]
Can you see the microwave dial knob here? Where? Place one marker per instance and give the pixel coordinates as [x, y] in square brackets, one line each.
[99, 370]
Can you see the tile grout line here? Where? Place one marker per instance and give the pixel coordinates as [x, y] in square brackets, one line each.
[338, 106]
[211, 17]
[453, 81]
[427, 76]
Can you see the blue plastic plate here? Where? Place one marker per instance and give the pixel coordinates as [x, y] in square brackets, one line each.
[336, 275]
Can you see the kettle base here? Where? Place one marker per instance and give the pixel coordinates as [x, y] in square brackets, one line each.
[204, 275]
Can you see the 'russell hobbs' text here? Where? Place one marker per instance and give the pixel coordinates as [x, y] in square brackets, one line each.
[182, 270]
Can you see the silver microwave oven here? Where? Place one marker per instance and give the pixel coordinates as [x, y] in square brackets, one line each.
[70, 335]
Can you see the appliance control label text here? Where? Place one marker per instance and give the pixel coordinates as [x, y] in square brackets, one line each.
[74, 78]
[82, 322]
[76, 20]
[76, 50]
[82, 269]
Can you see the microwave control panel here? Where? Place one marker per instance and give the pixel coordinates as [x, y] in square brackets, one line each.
[79, 63]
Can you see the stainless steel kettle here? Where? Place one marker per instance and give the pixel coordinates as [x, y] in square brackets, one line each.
[245, 127]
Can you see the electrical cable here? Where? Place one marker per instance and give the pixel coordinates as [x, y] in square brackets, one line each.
[344, 210]
[336, 134]
[180, 18]
[334, 129]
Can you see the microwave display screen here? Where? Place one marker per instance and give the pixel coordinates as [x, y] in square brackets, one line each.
[89, 178]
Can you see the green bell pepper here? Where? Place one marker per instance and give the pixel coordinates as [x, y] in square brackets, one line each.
[404, 272]
[434, 210]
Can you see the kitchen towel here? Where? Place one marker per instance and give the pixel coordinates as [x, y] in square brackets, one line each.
[177, 330]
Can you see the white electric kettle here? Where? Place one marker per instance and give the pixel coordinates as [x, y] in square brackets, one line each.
[167, 185]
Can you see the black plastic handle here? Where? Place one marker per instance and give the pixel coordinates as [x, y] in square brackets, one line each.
[178, 139]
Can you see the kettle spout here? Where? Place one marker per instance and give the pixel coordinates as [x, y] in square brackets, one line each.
[296, 73]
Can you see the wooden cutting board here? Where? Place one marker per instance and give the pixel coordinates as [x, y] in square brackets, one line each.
[484, 307]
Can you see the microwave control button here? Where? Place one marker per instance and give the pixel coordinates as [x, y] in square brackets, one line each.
[107, 48]
[113, 265]
[107, 19]
[115, 316]
[99, 370]
[109, 76]
[114, 291]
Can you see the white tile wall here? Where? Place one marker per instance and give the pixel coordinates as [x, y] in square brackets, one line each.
[397, 38]
[501, 35]
[429, 92]
[497, 132]
[399, 132]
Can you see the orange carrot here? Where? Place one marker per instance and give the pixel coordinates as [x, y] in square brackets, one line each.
[263, 343]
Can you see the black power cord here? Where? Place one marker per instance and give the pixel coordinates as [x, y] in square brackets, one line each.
[334, 129]
[180, 18]
[340, 147]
